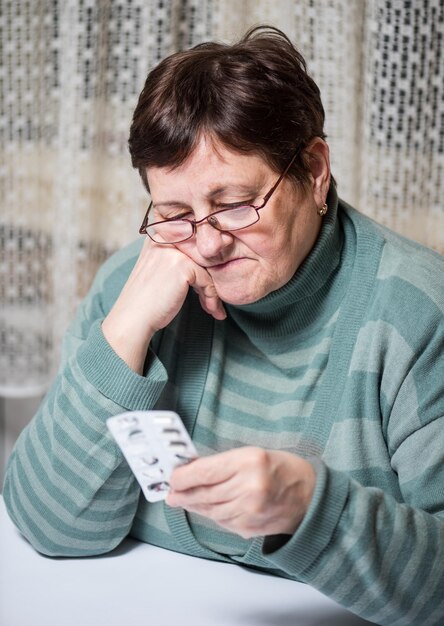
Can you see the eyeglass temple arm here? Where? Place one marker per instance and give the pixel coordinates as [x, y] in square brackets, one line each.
[142, 229]
[284, 173]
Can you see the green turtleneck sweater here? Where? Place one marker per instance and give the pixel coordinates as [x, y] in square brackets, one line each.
[344, 366]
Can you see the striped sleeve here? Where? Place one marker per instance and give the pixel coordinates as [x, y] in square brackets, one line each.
[67, 487]
[382, 556]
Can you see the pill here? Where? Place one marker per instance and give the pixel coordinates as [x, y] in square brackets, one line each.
[171, 431]
[149, 460]
[161, 485]
[164, 420]
[135, 433]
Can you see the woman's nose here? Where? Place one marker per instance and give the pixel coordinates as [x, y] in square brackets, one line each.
[210, 241]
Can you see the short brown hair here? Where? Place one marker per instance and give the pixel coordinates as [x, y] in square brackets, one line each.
[253, 96]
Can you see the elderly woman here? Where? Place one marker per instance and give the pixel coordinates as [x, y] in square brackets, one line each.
[301, 343]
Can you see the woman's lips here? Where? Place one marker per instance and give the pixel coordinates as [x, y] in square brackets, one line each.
[226, 264]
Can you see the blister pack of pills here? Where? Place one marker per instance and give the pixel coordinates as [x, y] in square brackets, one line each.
[153, 443]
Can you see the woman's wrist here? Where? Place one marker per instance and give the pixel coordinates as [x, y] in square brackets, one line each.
[132, 352]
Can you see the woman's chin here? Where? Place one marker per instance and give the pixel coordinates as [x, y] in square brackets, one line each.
[238, 287]
[238, 297]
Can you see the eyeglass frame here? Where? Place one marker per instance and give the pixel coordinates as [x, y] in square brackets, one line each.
[195, 223]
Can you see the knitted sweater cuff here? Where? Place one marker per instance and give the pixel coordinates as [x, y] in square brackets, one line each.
[297, 557]
[112, 377]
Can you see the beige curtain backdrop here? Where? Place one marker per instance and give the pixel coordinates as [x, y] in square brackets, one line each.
[70, 73]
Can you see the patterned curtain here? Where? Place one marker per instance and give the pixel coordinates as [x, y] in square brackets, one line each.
[70, 73]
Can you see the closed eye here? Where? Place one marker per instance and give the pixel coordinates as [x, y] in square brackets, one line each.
[188, 215]
[178, 216]
[235, 205]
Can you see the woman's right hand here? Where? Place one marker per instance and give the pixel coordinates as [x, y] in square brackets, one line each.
[152, 297]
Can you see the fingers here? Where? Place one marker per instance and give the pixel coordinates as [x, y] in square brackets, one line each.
[201, 499]
[225, 513]
[208, 296]
[203, 471]
[224, 504]
[247, 490]
[202, 283]
[152, 296]
[213, 306]
[216, 501]
[183, 271]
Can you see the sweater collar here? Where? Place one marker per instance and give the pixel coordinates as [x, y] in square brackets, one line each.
[307, 288]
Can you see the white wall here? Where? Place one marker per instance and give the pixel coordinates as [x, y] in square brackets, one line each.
[15, 413]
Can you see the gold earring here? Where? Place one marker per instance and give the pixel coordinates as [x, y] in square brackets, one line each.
[323, 209]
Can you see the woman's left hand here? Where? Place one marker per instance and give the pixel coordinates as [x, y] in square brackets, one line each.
[249, 491]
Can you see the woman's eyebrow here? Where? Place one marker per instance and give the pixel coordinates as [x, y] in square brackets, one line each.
[233, 188]
[170, 203]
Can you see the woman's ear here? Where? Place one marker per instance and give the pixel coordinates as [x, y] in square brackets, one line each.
[317, 155]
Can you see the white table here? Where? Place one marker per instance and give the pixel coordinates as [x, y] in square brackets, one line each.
[138, 584]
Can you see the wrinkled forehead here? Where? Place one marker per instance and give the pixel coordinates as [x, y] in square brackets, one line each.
[211, 163]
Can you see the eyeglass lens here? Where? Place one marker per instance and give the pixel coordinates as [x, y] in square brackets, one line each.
[174, 231]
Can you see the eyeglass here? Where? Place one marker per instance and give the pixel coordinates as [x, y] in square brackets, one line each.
[178, 229]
